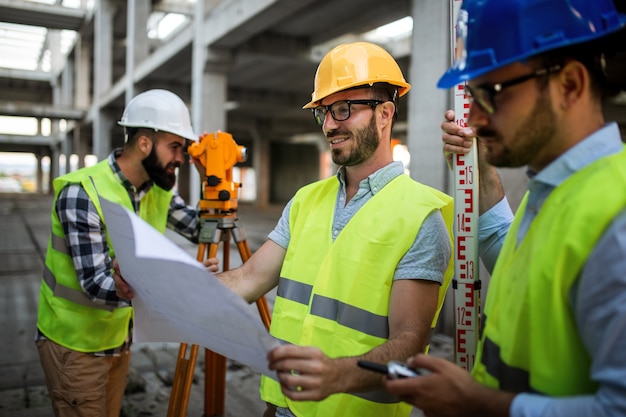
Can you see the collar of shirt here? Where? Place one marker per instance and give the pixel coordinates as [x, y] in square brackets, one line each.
[376, 181]
[117, 171]
[604, 142]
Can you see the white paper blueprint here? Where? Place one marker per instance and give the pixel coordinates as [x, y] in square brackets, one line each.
[178, 300]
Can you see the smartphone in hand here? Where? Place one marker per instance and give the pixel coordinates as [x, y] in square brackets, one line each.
[393, 369]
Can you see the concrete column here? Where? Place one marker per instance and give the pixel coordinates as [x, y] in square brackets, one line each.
[56, 63]
[54, 166]
[67, 81]
[103, 75]
[102, 130]
[430, 51]
[431, 55]
[39, 173]
[198, 58]
[136, 41]
[56, 57]
[77, 146]
[261, 165]
[208, 97]
[82, 69]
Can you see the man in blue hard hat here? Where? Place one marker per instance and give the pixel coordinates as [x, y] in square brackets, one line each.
[553, 340]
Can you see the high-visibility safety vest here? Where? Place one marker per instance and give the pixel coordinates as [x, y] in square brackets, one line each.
[66, 315]
[335, 295]
[530, 341]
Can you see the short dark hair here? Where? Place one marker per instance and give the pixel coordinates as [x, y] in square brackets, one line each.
[593, 61]
[133, 133]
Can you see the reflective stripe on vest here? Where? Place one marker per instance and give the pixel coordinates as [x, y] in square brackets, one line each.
[70, 294]
[75, 296]
[58, 244]
[331, 309]
[510, 378]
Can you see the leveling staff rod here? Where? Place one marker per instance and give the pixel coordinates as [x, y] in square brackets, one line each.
[466, 283]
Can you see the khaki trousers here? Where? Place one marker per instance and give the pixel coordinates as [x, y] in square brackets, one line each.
[81, 384]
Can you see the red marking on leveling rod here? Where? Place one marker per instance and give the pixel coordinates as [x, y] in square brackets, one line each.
[466, 272]
[466, 176]
[469, 299]
[460, 247]
[460, 341]
[469, 201]
[465, 360]
[464, 318]
[464, 223]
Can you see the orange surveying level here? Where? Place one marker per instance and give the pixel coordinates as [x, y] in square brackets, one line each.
[218, 152]
[217, 210]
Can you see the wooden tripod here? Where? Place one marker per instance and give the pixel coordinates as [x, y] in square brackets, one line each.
[214, 228]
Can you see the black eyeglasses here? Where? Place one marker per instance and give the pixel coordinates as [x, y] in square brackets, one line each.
[340, 110]
[484, 95]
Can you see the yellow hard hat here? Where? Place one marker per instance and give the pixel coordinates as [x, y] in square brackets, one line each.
[354, 64]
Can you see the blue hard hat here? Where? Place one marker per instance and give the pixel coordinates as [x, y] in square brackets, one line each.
[495, 33]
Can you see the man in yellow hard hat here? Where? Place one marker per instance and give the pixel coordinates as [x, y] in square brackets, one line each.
[361, 259]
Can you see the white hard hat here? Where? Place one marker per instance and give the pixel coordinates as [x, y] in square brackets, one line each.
[160, 110]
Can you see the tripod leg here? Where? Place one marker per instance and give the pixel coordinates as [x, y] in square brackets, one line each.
[183, 374]
[261, 303]
[175, 396]
[214, 384]
[215, 364]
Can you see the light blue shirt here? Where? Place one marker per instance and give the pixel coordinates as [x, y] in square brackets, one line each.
[599, 300]
[429, 255]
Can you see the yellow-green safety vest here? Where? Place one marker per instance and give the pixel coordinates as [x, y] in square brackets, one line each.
[530, 342]
[66, 315]
[335, 295]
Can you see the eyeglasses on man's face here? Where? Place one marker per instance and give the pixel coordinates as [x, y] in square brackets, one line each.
[340, 110]
[485, 94]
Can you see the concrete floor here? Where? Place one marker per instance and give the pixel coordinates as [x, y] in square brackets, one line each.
[24, 232]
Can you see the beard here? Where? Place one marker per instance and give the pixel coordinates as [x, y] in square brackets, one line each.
[158, 172]
[366, 141]
[537, 131]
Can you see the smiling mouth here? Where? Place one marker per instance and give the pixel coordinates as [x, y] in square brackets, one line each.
[337, 141]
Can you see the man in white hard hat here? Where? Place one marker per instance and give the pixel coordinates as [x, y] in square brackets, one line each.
[83, 325]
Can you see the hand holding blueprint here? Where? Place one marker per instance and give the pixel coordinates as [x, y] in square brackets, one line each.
[178, 300]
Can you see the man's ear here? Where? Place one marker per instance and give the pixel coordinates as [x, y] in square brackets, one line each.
[388, 109]
[573, 79]
[145, 144]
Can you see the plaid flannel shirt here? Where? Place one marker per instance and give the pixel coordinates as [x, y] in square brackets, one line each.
[86, 239]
